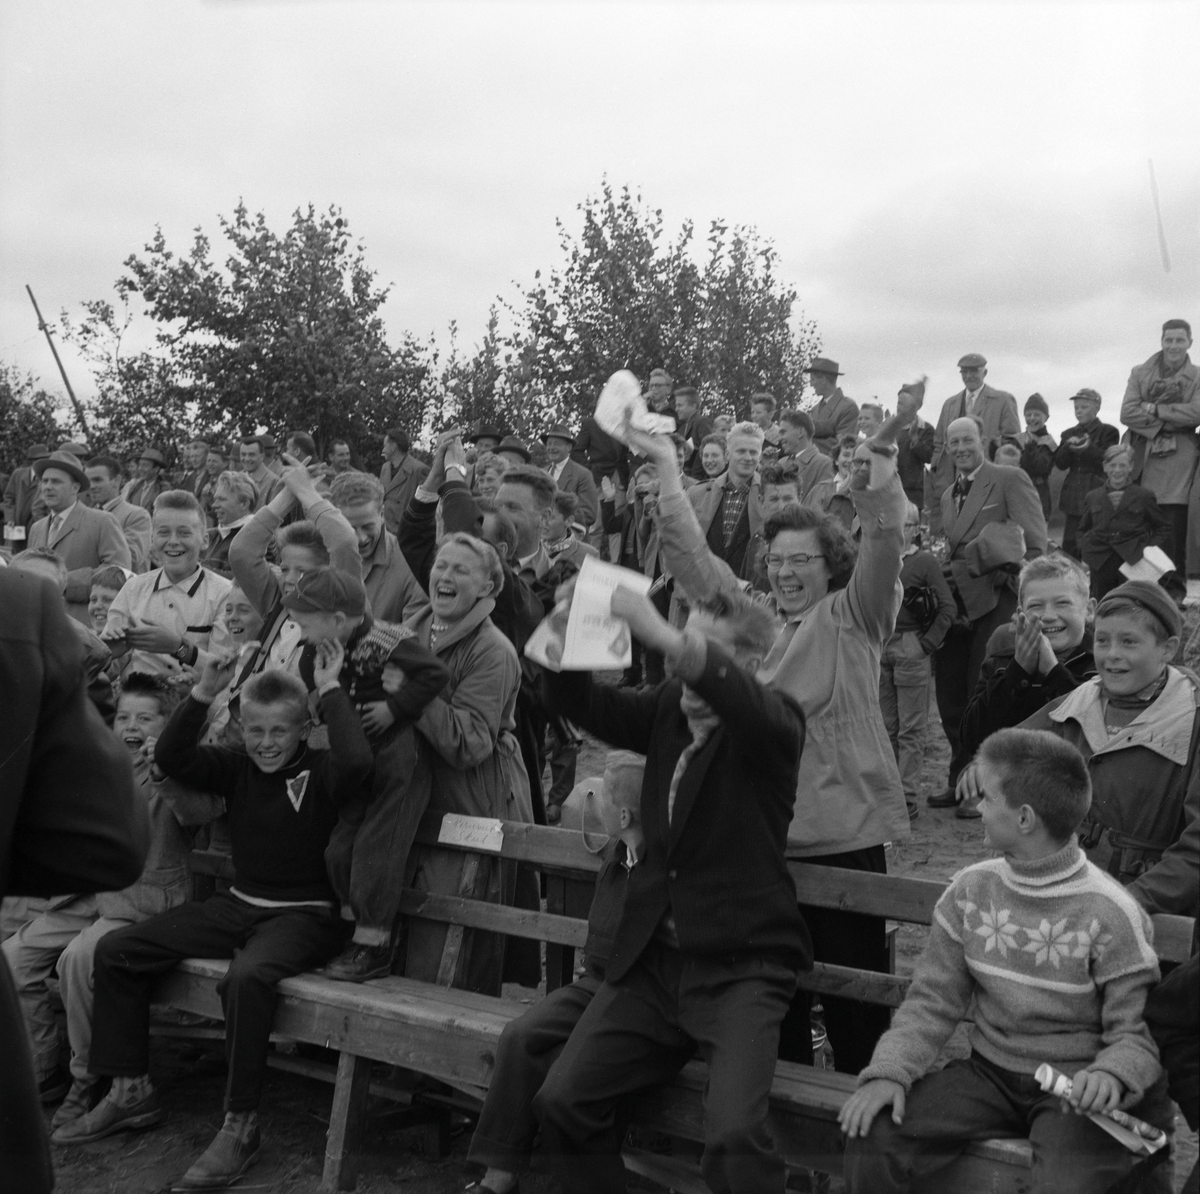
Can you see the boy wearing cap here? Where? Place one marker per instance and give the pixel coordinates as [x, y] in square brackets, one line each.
[530, 1044]
[374, 834]
[1082, 454]
[277, 919]
[1037, 448]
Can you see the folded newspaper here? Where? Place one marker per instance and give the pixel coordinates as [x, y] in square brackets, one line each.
[1154, 563]
[585, 635]
[621, 405]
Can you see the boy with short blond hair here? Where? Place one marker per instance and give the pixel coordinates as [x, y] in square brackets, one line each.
[1051, 961]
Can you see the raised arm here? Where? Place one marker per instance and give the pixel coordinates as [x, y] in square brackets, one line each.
[178, 753]
[248, 554]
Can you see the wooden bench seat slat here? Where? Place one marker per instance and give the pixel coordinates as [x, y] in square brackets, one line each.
[515, 922]
[895, 896]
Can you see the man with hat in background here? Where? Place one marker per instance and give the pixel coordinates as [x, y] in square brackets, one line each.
[253, 459]
[401, 475]
[19, 496]
[995, 409]
[86, 539]
[569, 476]
[486, 437]
[271, 453]
[1037, 448]
[1082, 454]
[147, 484]
[77, 448]
[835, 416]
[512, 451]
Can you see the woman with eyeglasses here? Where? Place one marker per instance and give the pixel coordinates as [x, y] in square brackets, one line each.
[837, 605]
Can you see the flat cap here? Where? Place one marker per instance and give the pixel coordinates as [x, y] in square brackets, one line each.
[1086, 395]
[973, 360]
[328, 590]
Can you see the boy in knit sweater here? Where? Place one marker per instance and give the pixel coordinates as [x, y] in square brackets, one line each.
[1051, 961]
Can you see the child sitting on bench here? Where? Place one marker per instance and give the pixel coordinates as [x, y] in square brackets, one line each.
[276, 920]
[1052, 961]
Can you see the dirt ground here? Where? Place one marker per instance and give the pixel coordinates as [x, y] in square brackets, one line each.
[295, 1109]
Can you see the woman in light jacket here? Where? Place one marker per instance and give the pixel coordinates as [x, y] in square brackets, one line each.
[838, 608]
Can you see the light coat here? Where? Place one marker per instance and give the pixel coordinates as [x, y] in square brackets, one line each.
[996, 409]
[87, 540]
[833, 418]
[136, 527]
[1161, 466]
[400, 482]
[998, 494]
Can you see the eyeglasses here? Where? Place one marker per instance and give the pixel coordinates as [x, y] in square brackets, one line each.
[797, 561]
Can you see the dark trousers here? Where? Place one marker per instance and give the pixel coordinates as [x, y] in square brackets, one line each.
[1177, 547]
[529, 1046]
[844, 939]
[956, 672]
[368, 851]
[1107, 576]
[24, 1146]
[1070, 539]
[973, 1099]
[265, 945]
[640, 1032]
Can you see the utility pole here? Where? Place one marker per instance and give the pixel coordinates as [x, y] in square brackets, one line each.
[44, 327]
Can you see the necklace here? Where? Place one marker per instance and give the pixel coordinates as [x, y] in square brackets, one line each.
[436, 628]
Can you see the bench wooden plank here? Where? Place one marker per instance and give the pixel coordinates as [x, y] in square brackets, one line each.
[346, 1120]
[895, 896]
[540, 845]
[496, 918]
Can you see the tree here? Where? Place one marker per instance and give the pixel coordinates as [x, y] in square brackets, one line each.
[286, 334]
[28, 415]
[626, 296]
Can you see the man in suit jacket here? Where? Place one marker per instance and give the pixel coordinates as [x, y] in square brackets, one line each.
[693, 426]
[569, 476]
[995, 409]
[57, 835]
[401, 474]
[835, 416]
[195, 467]
[85, 538]
[19, 496]
[600, 453]
[729, 506]
[709, 942]
[144, 489]
[104, 477]
[796, 430]
[983, 495]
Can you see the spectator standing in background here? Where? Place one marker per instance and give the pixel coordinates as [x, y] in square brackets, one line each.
[915, 447]
[658, 393]
[401, 474]
[86, 539]
[104, 481]
[993, 519]
[195, 458]
[1081, 453]
[1037, 448]
[569, 476]
[870, 419]
[338, 457]
[996, 411]
[1161, 408]
[599, 452]
[271, 454]
[835, 416]
[254, 465]
[148, 483]
[714, 456]
[796, 444]
[19, 496]
[723, 424]
[693, 426]
[762, 414]
[486, 437]
[728, 508]
[235, 498]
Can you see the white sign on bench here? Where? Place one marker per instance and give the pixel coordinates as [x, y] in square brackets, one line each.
[472, 833]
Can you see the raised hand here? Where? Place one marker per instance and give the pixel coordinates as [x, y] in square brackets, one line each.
[646, 623]
[217, 674]
[1030, 642]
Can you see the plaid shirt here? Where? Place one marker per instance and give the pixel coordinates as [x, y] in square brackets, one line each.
[734, 503]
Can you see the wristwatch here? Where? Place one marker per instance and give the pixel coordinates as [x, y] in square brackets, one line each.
[186, 653]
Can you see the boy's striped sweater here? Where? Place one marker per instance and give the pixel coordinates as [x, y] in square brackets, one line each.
[1051, 959]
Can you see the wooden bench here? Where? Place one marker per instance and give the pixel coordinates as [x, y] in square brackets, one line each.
[450, 1035]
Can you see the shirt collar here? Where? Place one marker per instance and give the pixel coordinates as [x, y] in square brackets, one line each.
[973, 394]
[64, 514]
[190, 584]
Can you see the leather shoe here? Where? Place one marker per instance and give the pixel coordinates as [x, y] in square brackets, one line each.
[946, 799]
[967, 812]
[223, 1162]
[107, 1118]
[358, 963]
[82, 1098]
[53, 1087]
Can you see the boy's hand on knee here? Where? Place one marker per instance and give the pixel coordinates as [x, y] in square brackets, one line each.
[860, 1109]
[1095, 1090]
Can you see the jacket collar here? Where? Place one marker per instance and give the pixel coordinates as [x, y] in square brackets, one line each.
[422, 623]
[981, 488]
[1168, 733]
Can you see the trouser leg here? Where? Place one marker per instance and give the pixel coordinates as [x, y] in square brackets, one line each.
[733, 1011]
[31, 953]
[628, 1038]
[379, 862]
[76, 989]
[1070, 540]
[950, 683]
[844, 939]
[972, 661]
[887, 699]
[563, 760]
[24, 1145]
[1107, 576]
[126, 961]
[528, 1047]
[912, 702]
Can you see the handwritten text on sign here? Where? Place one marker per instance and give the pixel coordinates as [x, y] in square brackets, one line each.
[472, 833]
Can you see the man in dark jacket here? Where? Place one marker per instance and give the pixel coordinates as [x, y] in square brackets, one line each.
[1082, 454]
[707, 950]
[1037, 448]
[57, 835]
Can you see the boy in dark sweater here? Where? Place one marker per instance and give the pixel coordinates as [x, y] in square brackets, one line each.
[277, 919]
[530, 1044]
[1049, 960]
[1081, 453]
[369, 848]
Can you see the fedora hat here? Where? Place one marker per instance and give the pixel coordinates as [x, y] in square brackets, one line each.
[823, 365]
[483, 431]
[558, 431]
[153, 455]
[36, 452]
[64, 462]
[510, 443]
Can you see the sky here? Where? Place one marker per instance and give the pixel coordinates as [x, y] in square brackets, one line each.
[937, 178]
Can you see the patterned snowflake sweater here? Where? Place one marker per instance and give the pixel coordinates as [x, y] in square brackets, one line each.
[1052, 961]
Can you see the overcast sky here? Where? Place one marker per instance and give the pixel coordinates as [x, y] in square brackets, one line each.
[938, 178]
